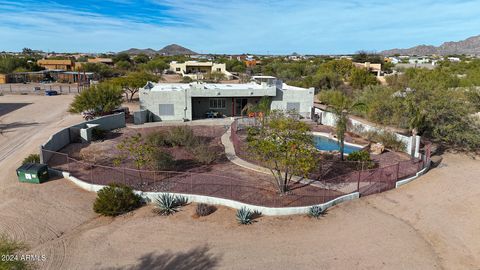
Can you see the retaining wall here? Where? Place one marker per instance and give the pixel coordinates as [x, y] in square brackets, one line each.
[267, 211]
[329, 119]
[70, 134]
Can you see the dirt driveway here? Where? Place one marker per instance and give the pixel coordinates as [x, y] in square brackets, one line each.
[432, 223]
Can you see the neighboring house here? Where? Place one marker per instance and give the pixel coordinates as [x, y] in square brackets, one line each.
[106, 61]
[373, 68]
[199, 70]
[3, 78]
[188, 101]
[51, 64]
[419, 60]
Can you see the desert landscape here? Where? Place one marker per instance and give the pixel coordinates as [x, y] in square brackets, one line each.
[427, 224]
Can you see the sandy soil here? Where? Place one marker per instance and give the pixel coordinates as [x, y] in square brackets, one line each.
[432, 223]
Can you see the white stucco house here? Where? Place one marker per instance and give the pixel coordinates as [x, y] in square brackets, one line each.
[198, 70]
[189, 101]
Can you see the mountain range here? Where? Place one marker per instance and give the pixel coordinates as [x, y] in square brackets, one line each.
[172, 49]
[470, 45]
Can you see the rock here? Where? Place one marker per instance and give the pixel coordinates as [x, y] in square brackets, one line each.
[377, 148]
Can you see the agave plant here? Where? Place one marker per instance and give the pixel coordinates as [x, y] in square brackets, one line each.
[316, 211]
[168, 204]
[244, 216]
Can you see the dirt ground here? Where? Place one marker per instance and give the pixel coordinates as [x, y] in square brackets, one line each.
[431, 223]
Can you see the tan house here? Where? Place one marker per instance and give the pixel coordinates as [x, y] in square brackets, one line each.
[51, 64]
[3, 78]
[198, 70]
[376, 69]
[106, 61]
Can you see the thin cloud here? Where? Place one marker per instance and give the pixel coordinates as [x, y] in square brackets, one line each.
[251, 26]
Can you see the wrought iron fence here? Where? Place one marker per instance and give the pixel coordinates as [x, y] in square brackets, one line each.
[302, 193]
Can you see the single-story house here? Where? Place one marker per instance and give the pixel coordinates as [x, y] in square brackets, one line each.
[188, 101]
[198, 70]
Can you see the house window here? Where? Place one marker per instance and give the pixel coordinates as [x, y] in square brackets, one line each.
[219, 70]
[177, 69]
[217, 103]
[293, 106]
[166, 110]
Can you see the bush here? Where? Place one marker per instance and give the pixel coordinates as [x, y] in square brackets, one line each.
[252, 133]
[388, 139]
[316, 211]
[168, 204]
[182, 136]
[116, 199]
[162, 160]
[158, 139]
[12, 247]
[363, 157]
[245, 216]
[204, 209]
[204, 154]
[186, 79]
[32, 158]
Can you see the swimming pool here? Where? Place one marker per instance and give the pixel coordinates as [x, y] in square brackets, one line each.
[327, 144]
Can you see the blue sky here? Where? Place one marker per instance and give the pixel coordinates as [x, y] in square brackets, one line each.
[248, 26]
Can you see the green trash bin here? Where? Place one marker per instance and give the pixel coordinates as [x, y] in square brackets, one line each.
[33, 173]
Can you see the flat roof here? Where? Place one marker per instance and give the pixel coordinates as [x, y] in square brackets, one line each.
[210, 86]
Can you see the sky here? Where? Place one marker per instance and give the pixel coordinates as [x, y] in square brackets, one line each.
[234, 27]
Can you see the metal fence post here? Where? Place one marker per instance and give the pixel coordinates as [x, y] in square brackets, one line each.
[358, 181]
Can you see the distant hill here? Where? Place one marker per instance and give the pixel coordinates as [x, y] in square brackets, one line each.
[172, 49]
[468, 46]
[175, 49]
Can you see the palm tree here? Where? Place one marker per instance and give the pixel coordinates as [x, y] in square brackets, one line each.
[342, 106]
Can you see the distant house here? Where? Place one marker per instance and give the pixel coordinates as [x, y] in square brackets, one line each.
[198, 70]
[52, 64]
[188, 101]
[373, 68]
[106, 61]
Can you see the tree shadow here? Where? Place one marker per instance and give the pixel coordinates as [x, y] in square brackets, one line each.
[195, 259]
[10, 126]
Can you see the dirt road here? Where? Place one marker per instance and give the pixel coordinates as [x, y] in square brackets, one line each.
[431, 223]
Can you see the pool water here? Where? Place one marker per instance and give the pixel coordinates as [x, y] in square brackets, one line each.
[327, 144]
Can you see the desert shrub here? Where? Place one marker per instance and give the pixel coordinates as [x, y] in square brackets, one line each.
[162, 160]
[359, 156]
[204, 154]
[363, 157]
[168, 204]
[32, 158]
[245, 216]
[252, 133]
[12, 247]
[98, 134]
[316, 211]
[158, 139]
[204, 209]
[116, 199]
[387, 138]
[182, 136]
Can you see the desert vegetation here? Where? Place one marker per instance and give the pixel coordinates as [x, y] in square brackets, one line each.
[116, 199]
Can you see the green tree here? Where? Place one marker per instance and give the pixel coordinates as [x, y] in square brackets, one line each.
[121, 57]
[133, 81]
[99, 99]
[286, 147]
[141, 59]
[135, 148]
[215, 76]
[359, 78]
[156, 66]
[342, 106]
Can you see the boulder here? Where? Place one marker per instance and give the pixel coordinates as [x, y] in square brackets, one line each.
[377, 148]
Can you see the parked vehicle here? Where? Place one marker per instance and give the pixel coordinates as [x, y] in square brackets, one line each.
[51, 93]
